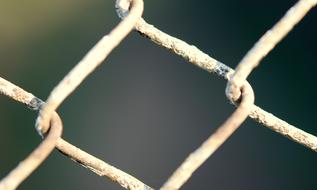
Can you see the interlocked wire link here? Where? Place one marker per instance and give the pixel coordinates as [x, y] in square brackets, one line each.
[236, 86]
[37, 156]
[195, 56]
[265, 44]
[89, 63]
[40, 153]
[49, 124]
[94, 164]
[47, 110]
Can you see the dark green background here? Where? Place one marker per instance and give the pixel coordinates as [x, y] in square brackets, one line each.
[146, 109]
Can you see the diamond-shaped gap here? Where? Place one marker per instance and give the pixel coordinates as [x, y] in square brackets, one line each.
[146, 103]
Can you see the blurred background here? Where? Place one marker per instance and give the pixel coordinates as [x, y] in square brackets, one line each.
[145, 109]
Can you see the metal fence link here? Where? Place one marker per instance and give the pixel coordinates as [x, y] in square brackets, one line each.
[238, 91]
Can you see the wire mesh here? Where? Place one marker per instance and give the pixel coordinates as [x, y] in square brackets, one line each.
[239, 92]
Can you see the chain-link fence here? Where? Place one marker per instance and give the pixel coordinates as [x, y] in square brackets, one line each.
[239, 92]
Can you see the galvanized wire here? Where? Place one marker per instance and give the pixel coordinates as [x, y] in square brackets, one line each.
[238, 91]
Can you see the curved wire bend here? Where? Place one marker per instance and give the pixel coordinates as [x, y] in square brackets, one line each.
[47, 112]
[49, 122]
[265, 44]
[237, 87]
[91, 60]
[38, 155]
[195, 56]
[89, 161]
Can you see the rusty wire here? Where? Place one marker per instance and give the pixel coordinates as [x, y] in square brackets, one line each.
[238, 91]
